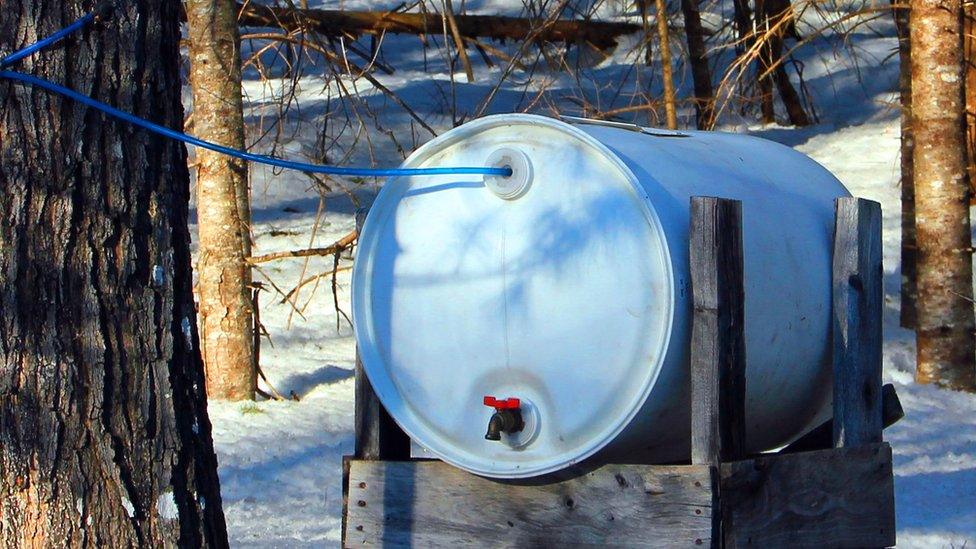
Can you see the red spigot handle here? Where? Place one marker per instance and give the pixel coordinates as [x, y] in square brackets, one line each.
[503, 404]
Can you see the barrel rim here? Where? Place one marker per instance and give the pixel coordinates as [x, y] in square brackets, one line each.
[361, 290]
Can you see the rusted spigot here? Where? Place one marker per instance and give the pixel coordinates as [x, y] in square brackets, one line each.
[506, 419]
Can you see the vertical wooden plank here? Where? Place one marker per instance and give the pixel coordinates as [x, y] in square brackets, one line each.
[717, 338]
[377, 435]
[857, 322]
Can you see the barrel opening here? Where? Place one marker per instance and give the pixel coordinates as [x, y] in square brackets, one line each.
[517, 183]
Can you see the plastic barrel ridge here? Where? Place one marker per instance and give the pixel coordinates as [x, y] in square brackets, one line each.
[567, 289]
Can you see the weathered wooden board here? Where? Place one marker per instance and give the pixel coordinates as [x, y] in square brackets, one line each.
[858, 303]
[432, 504]
[828, 498]
[718, 351]
[377, 435]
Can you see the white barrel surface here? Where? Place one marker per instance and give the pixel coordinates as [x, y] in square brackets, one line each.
[568, 288]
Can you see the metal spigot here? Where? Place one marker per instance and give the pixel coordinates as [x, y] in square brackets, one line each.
[506, 419]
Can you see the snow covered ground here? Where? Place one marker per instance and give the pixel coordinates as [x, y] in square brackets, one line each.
[280, 460]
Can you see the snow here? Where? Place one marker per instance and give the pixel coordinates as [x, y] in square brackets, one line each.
[166, 506]
[280, 461]
[127, 505]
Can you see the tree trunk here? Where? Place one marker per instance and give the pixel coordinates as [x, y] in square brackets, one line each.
[104, 434]
[745, 38]
[743, 25]
[944, 261]
[764, 77]
[667, 70]
[776, 14]
[223, 205]
[907, 312]
[787, 93]
[700, 74]
[969, 62]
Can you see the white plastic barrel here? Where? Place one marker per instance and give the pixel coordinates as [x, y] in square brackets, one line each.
[567, 286]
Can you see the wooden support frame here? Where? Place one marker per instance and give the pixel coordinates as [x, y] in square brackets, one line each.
[832, 488]
[718, 348]
[377, 435]
[857, 332]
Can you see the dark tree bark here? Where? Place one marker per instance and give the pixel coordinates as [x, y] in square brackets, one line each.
[776, 18]
[787, 93]
[104, 434]
[700, 74]
[944, 260]
[744, 37]
[907, 313]
[743, 25]
[764, 79]
[969, 62]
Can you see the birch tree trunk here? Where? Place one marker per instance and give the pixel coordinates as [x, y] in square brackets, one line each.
[944, 260]
[104, 434]
[223, 205]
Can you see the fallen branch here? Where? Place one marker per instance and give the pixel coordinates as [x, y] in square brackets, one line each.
[336, 247]
[456, 34]
[602, 34]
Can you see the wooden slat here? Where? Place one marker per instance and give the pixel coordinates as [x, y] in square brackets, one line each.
[432, 504]
[828, 498]
[717, 342]
[377, 435]
[858, 301]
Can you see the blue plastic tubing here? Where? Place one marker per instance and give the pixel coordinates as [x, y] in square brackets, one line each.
[190, 140]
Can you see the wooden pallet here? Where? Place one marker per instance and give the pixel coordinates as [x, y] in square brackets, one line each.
[832, 488]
